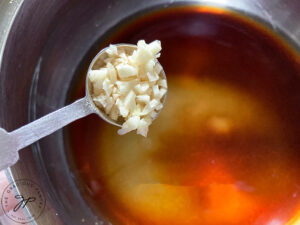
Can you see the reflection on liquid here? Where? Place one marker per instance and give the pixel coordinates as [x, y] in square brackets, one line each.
[220, 160]
[295, 220]
[225, 148]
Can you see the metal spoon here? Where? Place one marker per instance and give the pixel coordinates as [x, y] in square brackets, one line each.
[12, 142]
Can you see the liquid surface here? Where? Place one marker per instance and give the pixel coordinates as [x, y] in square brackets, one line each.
[225, 148]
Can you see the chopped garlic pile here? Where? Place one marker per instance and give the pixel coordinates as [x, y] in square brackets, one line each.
[130, 86]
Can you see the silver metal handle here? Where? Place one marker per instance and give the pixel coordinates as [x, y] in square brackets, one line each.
[50, 123]
[11, 143]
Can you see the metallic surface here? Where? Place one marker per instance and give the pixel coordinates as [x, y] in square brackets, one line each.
[46, 43]
[8, 11]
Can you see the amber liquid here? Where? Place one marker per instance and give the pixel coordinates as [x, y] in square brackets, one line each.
[225, 148]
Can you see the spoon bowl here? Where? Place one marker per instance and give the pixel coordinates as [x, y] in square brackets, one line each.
[97, 63]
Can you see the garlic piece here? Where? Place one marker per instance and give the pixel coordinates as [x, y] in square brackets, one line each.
[112, 50]
[100, 101]
[129, 101]
[130, 125]
[152, 76]
[107, 86]
[143, 127]
[143, 98]
[150, 107]
[142, 88]
[150, 65]
[143, 55]
[163, 83]
[156, 91]
[97, 77]
[155, 47]
[126, 71]
[112, 72]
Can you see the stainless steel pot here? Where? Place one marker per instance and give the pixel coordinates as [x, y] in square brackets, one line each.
[40, 42]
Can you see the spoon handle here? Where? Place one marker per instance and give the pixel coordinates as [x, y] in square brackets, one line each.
[49, 123]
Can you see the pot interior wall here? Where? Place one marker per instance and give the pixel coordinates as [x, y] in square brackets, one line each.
[47, 43]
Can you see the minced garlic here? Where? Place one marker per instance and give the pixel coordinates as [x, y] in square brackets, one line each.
[130, 86]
